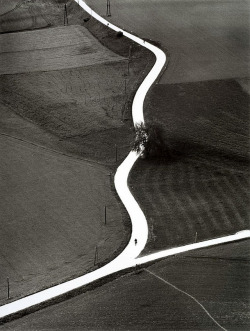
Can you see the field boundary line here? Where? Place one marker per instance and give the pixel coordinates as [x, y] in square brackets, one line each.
[52, 151]
[189, 295]
[18, 5]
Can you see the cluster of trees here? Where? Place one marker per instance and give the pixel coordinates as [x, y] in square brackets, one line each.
[150, 141]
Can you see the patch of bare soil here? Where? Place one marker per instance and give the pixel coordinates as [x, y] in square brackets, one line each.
[201, 191]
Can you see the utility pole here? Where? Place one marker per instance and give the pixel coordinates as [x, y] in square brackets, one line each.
[96, 255]
[105, 215]
[130, 52]
[108, 13]
[116, 153]
[65, 15]
[8, 288]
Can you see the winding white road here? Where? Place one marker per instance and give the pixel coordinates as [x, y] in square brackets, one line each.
[128, 258]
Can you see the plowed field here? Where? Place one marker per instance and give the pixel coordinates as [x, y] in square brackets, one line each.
[202, 190]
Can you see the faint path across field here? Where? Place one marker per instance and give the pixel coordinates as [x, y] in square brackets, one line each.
[187, 294]
[7, 6]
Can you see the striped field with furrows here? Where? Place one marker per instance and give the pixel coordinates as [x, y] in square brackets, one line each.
[200, 191]
[63, 47]
[186, 201]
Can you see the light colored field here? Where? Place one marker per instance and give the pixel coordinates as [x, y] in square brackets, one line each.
[52, 217]
[62, 47]
[206, 39]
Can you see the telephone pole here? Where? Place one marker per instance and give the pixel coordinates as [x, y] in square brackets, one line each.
[105, 215]
[116, 153]
[96, 256]
[108, 8]
[65, 15]
[8, 288]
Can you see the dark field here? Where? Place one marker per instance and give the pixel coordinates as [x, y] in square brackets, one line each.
[218, 278]
[203, 187]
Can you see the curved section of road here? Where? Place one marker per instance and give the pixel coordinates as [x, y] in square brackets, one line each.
[128, 258]
[139, 224]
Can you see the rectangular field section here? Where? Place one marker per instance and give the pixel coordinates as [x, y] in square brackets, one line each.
[51, 49]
